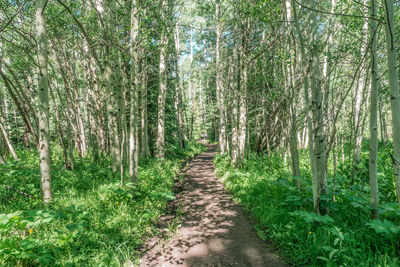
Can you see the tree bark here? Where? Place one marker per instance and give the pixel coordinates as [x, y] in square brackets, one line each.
[319, 150]
[373, 123]
[43, 107]
[358, 131]
[219, 87]
[394, 90]
[292, 109]
[243, 91]
[160, 142]
[178, 93]
[7, 141]
[133, 121]
[109, 78]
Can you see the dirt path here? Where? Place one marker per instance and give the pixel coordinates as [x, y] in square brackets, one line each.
[215, 231]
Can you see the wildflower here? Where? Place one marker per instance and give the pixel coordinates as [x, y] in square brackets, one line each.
[30, 231]
[116, 202]
[309, 233]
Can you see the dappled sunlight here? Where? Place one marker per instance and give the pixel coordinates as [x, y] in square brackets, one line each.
[214, 231]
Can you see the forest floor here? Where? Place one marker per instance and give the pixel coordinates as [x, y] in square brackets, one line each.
[215, 231]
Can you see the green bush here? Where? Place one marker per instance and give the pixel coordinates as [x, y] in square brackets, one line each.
[345, 237]
[92, 221]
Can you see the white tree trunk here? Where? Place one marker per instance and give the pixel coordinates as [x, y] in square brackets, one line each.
[243, 99]
[219, 86]
[373, 124]
[317, 112]
[7, 140]
[394, 90]
[134, 89]
[43, 107]
[358, 131]
[160, 143]
[178, 93]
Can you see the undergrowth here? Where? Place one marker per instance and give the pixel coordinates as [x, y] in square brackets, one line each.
[345, 237]
[93, 221]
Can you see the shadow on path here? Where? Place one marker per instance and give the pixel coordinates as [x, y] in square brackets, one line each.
[215, 231]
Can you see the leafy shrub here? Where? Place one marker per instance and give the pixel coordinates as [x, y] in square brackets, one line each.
[92, 221]
[346, 237]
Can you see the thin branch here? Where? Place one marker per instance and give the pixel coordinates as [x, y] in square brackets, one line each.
[9, 187]
[337, 14]
[13, 17]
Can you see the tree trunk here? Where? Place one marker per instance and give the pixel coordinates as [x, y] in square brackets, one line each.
[304, 64]
[191, 87]
[233, 96]
[292, 109]
[145, 151]
[358, 131]
[7, 141]
[243, 63]
[219, 87]
[110, 81]
[43, 107]
[178, 93]
[133, 121]
[160, 143]
[394, 90]
[373, 123]
[319, 179]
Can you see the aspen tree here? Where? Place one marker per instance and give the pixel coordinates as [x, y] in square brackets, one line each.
[192, 90]
[145, 152]
[111, 84]
[292, 109]
[234, 96]
[318, 141]
[43, 107]
[394, 89]
[134, 88]
[243, 63]
[160, 142]
[218, 79]
[362, 84]
[304, 65]
[178, 92]
[373, 122]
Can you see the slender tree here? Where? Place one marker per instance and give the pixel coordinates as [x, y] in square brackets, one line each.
[394, 89]
[43, 108]
[373, 122]
[134, 89]
[160, 143]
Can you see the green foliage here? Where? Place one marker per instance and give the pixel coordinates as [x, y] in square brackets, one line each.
[344, 237]
[384, 227]
[93, 221]
[311, 217]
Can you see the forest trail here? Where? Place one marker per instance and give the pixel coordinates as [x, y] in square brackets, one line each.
[215, 231]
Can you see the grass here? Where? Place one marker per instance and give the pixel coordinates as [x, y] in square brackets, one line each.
[92, 220]
[345, 237]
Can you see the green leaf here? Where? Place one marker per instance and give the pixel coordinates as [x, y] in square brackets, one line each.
[384, 227]
[28, 244]
[323, 258]
[332, 253]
